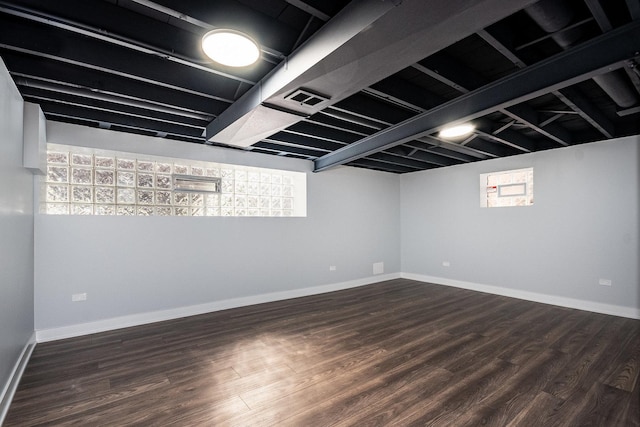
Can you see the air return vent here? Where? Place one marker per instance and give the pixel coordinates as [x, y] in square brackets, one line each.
[305, 97]
[196, 184]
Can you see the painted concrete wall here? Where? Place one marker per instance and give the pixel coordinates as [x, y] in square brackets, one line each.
[16, 233]
[132, 265]
[582, 227]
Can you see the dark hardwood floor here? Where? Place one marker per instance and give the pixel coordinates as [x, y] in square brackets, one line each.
[396, 353]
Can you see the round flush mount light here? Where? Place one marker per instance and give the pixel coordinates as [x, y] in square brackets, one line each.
[230, 47]
[456, 131]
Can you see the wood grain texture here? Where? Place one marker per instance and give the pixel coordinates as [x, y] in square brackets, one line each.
[397, 353]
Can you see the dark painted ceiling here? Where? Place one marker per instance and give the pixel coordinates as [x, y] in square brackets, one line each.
[531, 77]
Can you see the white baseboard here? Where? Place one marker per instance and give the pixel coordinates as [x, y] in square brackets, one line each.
[44, 335]
[596, 307]
[6, 396]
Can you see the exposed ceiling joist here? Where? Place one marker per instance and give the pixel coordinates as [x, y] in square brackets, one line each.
[582, 106]
[309, 9]
[443, 69]
[604, 53]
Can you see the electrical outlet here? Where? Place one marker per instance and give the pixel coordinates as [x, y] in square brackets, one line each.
[378, 267]
[605, 282]
[332, 268]
[79, 297]
[446, 263]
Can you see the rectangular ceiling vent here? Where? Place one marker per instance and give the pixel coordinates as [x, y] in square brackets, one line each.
[306, 97]
[196, 184]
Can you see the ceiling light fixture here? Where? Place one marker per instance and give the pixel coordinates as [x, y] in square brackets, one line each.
[456, 131]
[230, 47]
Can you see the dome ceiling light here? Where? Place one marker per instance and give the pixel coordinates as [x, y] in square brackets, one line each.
[231, 48]
[457, 131]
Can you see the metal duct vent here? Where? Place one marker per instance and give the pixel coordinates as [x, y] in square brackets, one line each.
[305, 97]
[196, 184]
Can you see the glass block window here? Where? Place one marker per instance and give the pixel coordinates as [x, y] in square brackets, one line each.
[83, 181]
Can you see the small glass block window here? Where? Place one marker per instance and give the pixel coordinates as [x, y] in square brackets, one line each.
[82, 194]
[181, 169]
[264, 203]
[105, 177]
[82, 159]
[57, 158]
[241, 202]
[126, 210]
[126, 179]
[163, 167]
[126, 164]
[145, 166]
[81, 176]
[197, 199]
[241, 187]
[163, 197]
[145, 210]
[77, 209]
[105, 195]
[213, 172]
[126, 196]
[227, 186]
[212, 200]
[57, 193]
[57, 174]
[164, 211]
[145, 197]
[57, 208]
[104, 210]
[226, 201]
[105, 162]
[145, 180]
[181, 199]
[163, 181]
[253, 188]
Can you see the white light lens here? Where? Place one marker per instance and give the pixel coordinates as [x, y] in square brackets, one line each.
[456, 131]
[230, 48]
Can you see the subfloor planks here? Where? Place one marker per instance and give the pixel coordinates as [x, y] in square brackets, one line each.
[399, 353]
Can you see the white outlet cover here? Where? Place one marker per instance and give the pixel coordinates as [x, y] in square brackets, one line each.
[605, 282]
[79, 297]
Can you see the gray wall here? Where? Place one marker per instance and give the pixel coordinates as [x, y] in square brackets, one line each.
[16, 232]
[583, 225]
[131, 265]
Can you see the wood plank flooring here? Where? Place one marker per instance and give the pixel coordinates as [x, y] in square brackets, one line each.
[398, 353]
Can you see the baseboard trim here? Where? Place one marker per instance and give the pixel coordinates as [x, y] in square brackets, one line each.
[596, 307]
[14, 379]
[53, 334]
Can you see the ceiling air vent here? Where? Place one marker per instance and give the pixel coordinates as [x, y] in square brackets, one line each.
[196, 184]
[305, 97]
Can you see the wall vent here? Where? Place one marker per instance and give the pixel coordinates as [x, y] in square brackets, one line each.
[306, 97]
[196, 184]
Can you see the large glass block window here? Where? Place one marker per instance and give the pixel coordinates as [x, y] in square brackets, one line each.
[82, 181]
